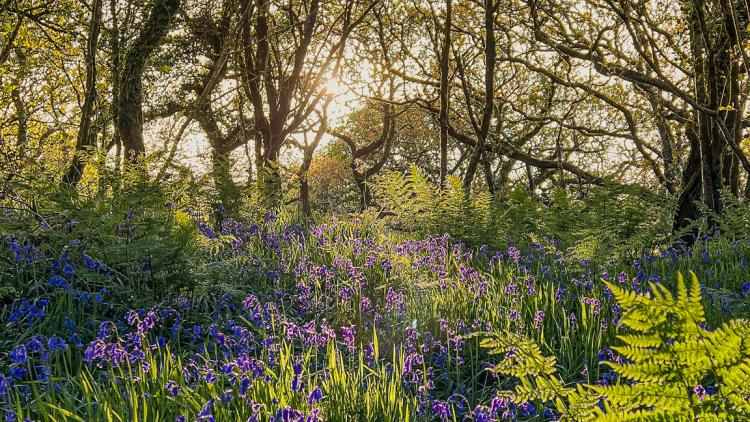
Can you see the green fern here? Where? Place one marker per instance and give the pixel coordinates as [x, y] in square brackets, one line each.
[417, 205]
[668, 355]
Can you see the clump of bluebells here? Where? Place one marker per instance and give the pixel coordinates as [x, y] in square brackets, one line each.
[313, 298]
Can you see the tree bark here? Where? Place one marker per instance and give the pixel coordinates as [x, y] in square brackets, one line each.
[716, 134]
[489, 92]
[86, 133]
[444, 93]
[130, 101]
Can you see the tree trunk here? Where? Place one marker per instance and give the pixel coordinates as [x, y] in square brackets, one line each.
[86, 133]
[489, 92]
[20, 106]
[714, 155]
[444, 93]
[365, 195]
[130, 106]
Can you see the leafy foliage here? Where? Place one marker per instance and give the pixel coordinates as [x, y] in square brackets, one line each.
[608, 223]
[672, 367]
[417, 206]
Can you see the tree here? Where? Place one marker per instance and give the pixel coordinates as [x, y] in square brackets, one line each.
[445, 49]
[688, 70]
[286, 58]
[86, 133]
[361, 172]
[129, 105]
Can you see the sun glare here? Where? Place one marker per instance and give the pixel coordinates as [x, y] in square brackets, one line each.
[334, 87]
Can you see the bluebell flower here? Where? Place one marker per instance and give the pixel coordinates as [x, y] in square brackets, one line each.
[68, 270]
[18, 372]
[205, 413]
[482, 414]
[35, 345]
[210, 377]
[18, 354]
[90, 263]
[288, 414]
[42, 373]
[226, 397]
[528, 409]
[58, 282]
[5, 384]
[745, 289]
[172, 388]
[441, 409]
[297, 383]
[315, 395]
[699, 391]
[269, 218]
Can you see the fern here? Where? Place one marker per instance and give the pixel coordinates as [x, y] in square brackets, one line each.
[670, 362]
[416, 205]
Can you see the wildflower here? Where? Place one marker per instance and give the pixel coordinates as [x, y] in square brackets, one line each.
[18, 250]
[18, 354]
[90, 263]
[746, 289]
[43, 373]
[605, 354]
[5, 384]
[622, 278]
[205, 413]
[18, 372]
[348, 333]
[104, 330]
[269, 218]
[58, 282]
[499, 403]
[482, 414]
[596, 304]
[441, 409]
[172, 388]
[560, 294]
[699, 391]
[297, 383]
[287, 414]
[365, 305]
[131, 317]
[514, 315]
[35, 344]
[226, 397]
[538, 319]
[244, 386]
[528, 409]
[315, 396]
[514, 254]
